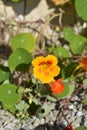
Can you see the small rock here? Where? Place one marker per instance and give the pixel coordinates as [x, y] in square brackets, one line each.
[71, 106]
[36, 123]
[76, 123]
[84, 25]
[42, 121]
[19, 18]
[79, 113]
[85, 123]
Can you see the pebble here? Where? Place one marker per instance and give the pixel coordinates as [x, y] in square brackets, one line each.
[37, 121]
[84, 25]
[19, 18]
[74, 116]
[75, 124]
[42, 121]
[79, 113]
[85, 123]
[71, 106]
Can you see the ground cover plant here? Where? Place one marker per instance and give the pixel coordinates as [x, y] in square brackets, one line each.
[52, 73]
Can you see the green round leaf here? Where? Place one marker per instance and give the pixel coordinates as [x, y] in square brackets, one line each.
[81, 8]
[19, 59]
[78, 44]
[61, 52]
[5, 73]
[68, 34]
[23, 40]
[71, 89]
[11, 108]
[81, 128]
[9, 96]
[71, 83]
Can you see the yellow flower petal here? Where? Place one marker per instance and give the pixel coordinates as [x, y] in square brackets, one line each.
[46, 79]
[52, 59]
[38, 72]
[38, 60]
[54, 70]
[42, 75]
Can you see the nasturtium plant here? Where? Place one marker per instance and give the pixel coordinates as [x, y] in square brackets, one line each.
[71, 83]
[15, 0]
[20, 90]
[33, 99]
[5, 73]
[81, 128]
[68, 90]
[53, 75]
[9, 96]
[44, 110]
[61, 52]
[23, 40]
[56, 86]
[64, 93]
[22, 110]
[22, 106]
[77, 42]
[68, 34]
[68, 71]
[81, 8]
[50, 98]
[84, 101]
[44, 90]
[19, 59]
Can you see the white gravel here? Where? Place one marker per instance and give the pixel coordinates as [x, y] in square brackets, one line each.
[76, 115]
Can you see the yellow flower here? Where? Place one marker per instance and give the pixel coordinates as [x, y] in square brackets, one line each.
[45, 68]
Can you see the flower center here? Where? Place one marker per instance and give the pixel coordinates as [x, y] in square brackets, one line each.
[45, 65]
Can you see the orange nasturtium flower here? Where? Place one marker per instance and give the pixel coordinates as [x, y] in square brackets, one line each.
[45, 68]
[82, 64]
[59, 2]
[57, 86]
